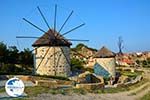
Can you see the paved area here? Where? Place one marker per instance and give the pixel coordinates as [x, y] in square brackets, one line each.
[5, 96]
[26, 83]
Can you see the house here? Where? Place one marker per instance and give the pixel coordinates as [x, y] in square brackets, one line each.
[105, 62]
[125, 60]
[52, 54]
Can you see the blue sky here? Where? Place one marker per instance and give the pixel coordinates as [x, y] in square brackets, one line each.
[105, 20]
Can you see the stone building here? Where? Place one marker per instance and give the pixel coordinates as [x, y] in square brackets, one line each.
[52, 54]
[105, 59]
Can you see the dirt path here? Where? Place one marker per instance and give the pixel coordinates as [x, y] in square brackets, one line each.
[109, 96]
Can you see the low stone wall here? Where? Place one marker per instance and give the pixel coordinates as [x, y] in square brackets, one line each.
[136, 80]
[27, 78]
[62, 82]
[90, 86]
[46, 83]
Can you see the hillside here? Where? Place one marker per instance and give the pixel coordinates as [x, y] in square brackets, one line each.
[82, 51]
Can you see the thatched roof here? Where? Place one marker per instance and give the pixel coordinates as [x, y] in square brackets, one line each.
[51, 38]
[104, 53]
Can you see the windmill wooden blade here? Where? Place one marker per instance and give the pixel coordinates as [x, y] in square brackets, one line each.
[65, 21]
[34, 25]
[55, 15]
[78, 40]
[58, 60]
[65, 55]
[73, 29]
[34, 49]
[26, 37]
[43, 17]
[55, 38]
[53, 55]
[32, 37]
[43, 58]
[54, 61]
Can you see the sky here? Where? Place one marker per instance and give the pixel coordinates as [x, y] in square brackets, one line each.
[105, 21]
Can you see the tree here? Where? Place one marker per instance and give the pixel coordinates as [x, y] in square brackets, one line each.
[76, 64]
[13, 55]
[26, 58]
[14, 62]
[3, 52]
[138, 62]
[120, 44]
[148, 60]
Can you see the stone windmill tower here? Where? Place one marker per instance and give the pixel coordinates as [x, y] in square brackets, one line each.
[105, 62]
[52, 57]
[52, 50]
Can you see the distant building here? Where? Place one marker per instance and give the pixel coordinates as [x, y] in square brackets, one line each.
[91, 62]
[125, 60]
[105, 62]
[52, 55]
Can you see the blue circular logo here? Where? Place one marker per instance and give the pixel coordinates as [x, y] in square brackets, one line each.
[14, 87]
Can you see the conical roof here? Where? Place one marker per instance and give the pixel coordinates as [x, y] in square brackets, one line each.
[104, 53]
[51, 38]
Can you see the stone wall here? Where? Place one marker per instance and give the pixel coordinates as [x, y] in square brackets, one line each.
[52, 64]
[90, 86]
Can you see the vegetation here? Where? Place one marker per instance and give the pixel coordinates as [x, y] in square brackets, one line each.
[14, 62]
[121, 89]
[2, 90]
[54, 77]
[76, 64]
[80, 45]
[68, 91]
[131, 74]
[34, 91]
[39, 90]
[144, 63]
[146, 97]
[138, 91]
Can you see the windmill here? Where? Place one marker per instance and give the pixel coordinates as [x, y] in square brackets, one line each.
[52, 50]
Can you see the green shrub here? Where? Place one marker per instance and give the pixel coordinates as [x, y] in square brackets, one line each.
[12, 69]
[146, 97]
[54, 77]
